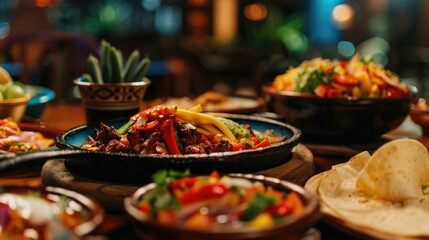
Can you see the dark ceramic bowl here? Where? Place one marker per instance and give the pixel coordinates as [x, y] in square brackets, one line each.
[294, 228]
[338, 119]
[79, 213]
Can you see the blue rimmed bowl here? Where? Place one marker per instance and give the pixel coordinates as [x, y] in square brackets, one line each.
[40, 97]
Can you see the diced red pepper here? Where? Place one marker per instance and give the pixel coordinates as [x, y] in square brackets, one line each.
[281, 209]
[186, 182]
[345, 80]
[263, 143]
[322, 90]
[206, 192]
[344, 64]
[394, 92]
[334, 93]
[145, 207]
[238, 147]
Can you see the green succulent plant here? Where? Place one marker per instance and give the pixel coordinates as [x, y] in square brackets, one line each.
[111, 67]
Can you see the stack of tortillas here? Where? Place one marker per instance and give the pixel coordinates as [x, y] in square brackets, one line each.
[387, 192]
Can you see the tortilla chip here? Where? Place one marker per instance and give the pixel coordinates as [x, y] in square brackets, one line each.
[396, 171]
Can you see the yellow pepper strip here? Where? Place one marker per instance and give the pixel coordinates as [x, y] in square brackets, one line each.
[203, 131]
[212, 129]
[197, 108]
[201, 118]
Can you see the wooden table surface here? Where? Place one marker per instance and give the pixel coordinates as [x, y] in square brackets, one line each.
[61, 117]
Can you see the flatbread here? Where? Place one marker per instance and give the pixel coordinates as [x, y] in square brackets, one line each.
[396, 171]
[363, 207]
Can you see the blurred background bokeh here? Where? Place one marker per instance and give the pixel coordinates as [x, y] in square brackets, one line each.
[232, 46]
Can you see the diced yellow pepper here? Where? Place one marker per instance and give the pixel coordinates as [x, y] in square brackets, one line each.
[375, 90]
[365, 82]
[263, 220]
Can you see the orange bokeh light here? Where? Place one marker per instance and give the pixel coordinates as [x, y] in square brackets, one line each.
[255, 11]
[343, 15]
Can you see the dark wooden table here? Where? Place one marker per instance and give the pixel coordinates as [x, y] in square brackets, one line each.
[60, 117]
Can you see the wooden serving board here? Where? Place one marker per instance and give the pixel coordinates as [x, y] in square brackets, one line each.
[111, 195]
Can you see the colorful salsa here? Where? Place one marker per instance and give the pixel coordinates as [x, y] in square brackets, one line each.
[334, 78]
[217, 202]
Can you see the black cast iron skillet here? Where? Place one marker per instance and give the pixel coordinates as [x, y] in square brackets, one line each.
[135, 168]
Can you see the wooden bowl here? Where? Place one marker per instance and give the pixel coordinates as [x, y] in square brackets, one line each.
[14, 108]
[293, 228]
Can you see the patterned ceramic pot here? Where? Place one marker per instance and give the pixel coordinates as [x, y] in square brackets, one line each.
[111, 101]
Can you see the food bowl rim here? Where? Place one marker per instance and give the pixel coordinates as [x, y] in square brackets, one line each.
[44, 95]
[145, 82]
[291, 94]
[16, 101]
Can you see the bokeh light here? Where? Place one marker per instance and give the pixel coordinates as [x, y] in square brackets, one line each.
[255, 12]
[150, 5]
[343, 16]
[346, 48]
[375, 48]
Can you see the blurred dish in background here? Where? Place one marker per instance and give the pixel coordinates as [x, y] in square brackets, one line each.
[334, 79]
[13, 139]
[212, 101]
[340, 101]
[47, 213]
[419, 113]
[40, 96]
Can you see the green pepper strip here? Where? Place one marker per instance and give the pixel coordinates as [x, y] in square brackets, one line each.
[122, 130]
[257, 205]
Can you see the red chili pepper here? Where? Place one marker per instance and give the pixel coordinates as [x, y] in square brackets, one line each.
[183, 183]
[169, 137]
[206, 192]
[263, 143]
